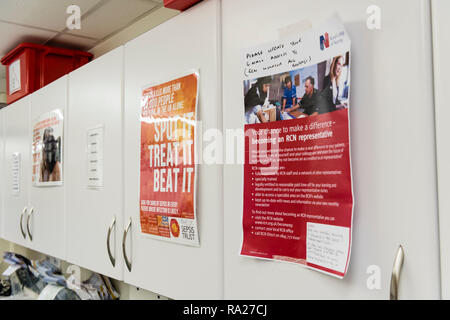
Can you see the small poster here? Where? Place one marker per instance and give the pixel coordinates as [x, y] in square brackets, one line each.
[95, 157]
[168, 160]
[298, 198]
[14, 77]
[15, 168]
[47, 149]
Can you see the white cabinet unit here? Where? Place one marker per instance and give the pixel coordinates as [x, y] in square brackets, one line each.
[392, 145]
[189, 40]
[95, 116]
[393, 156]
[2, 171]
[17, 170]
[46, 222]
[441, 63]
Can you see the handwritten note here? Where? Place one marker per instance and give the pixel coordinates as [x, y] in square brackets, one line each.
[295, 52]
[327, 245]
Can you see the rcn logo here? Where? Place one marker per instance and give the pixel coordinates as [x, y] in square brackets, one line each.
[324, 41]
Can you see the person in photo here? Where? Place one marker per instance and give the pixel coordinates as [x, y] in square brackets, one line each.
[332, 89]
[289, 95]
[255, 99]
[309, 100]
[50, 161]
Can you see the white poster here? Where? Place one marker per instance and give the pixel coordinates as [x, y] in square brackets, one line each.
[14, 76]
[298, 201]
[47, 149]
[15, 167]
[95, 157]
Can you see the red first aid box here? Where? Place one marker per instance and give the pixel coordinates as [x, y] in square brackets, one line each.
[30, 67]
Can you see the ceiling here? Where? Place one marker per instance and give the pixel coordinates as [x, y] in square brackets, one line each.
[44, 22]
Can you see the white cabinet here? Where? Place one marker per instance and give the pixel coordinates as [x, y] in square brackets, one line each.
[393, 156]
[16, 181]
[441, 63]
[95, 101]
[46, 223]
[32, 216]
[2, 171]
[189, 40]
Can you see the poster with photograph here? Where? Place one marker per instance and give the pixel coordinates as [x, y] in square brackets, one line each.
[168, 172]
[298, 199]
[47, 149]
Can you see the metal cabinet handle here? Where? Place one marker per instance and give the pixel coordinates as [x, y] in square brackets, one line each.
[396, 270]
[30, 213]
[24, 235]
[108, 237]
[124, 239]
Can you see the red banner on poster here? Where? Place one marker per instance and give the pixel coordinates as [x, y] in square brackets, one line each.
[301, 198]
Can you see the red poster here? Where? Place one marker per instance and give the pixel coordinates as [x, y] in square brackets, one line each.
[298, 200]
[168, 171]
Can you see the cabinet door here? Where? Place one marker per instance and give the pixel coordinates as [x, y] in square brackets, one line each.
[392, 146]
[95, 102]
[189, 40]
[17, 170]
[46, 223]
[441, 63]
[2, 171]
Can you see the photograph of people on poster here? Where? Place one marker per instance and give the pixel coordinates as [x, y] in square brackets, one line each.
[309, 91]
[47, 149]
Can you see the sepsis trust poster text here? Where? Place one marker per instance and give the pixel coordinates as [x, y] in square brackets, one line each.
[168, 172]
[298, 200]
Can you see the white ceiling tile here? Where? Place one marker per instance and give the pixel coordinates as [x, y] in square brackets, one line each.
[47, 14]
[112, 16]
[72, 42]
[12, 35]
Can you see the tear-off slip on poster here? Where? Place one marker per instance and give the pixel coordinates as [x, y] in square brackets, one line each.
[298, 199]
